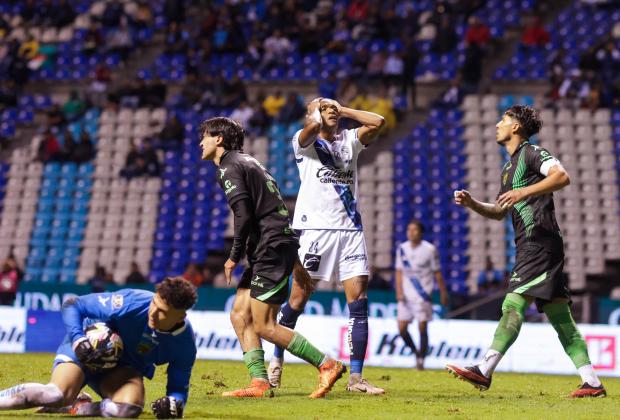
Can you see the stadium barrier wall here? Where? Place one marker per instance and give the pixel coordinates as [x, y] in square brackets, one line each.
[537, 350]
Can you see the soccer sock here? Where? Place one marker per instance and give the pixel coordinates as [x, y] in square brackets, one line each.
[288, 319]
[574, 345]
[30, 395]
[490, 361]
[303, 349]
[423, 344]
[513, 310]
[358, 333]
[409, 341]
[255, 362]
[588, 375]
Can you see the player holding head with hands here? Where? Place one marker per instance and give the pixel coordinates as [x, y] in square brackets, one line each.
[528, 181]
[263, 233]
[332, 240]
[154, 330]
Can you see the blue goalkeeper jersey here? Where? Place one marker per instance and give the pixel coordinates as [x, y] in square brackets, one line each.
[126, 312]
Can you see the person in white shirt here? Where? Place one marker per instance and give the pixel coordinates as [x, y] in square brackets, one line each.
[417, 269]
[332, 240]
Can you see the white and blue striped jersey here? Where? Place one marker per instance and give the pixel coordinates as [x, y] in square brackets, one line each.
[418, 266]
[327, 196]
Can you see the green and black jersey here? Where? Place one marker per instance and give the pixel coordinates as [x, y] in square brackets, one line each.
[533, 219]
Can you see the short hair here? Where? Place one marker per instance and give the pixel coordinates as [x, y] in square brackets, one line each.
[177, 292]
[419, 224]
[229, 129]
[527, 117]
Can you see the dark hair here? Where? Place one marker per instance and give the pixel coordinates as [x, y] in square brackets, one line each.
[527, 117]
[230, 130]
[177, 292]
[418, 224]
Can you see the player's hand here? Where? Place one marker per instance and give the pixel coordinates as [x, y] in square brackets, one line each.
[167, 408]
[507, 200]
[86, 354]
[229, 266]
[462, 198]
[313, 105]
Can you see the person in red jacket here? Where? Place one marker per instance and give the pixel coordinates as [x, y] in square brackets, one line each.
[535, 34]
[477, 33]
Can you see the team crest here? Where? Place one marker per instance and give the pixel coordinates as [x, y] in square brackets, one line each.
[505, 178]
[117, 301]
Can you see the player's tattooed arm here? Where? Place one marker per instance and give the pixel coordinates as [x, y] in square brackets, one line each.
[312, 125]
[489, 210]
[371, 123]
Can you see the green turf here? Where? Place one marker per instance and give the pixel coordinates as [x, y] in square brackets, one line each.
[410, 394]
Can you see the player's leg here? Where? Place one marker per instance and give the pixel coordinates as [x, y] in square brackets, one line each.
[560, 317]
[423, 329]
[264, 314]
[66, 382]
[253, 353]
[404, 317]
[507, 331]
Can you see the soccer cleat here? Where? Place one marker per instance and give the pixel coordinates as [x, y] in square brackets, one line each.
[258, 389]
[329, 373]
[274, 372]
[587, 390]
[470, 374]
[358, 384]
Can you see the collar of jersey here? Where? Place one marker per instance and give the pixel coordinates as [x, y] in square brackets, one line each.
[521, 146]
[174, 332]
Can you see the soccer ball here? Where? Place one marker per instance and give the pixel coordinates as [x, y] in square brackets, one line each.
[108, 342]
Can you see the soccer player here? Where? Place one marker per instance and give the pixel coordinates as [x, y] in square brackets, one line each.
[417, 269]
[262, 231]
[332, 240]
[154, 331]
[527, 184]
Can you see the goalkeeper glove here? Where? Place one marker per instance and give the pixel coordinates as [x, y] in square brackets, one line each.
[87, 355]
[167, 408]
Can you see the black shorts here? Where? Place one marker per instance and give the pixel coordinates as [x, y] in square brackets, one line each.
[538, 273]
[268, 277]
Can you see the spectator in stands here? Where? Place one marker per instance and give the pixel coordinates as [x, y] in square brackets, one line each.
[379, 101]
[193, 274]
[471, 71]
[411, 56]
[49, 148]
[490, 279]
[357, 11]
[243, 113]
[293, 110]
[119, 40]
[276, 49]
[446, 39]
[153, 94]
[609, 58]
[68, 146]
[535, 35]
[74, 108]
[93, 39]
[453, 95]
[171, 136]
[10, 277]
[141, 161]
[99, 85]
[64, 14]
[100, 280]
[208, 277]
[574, 90]
[29, 49]
[143, 16]
[55, 116]
[328, 88]
[260, 121]
[177, 39]
[112, 14]
[233, 92]
[393, 70]
[135, 275]
[374, 70]
[273, 103]
[477, 33]
[255, 51]
[84, 150]
[340, 40]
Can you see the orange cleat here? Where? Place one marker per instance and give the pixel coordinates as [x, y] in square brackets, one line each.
[258, 389]
[329, 373]
[587, 390]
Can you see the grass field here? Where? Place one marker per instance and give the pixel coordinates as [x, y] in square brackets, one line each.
[410, 394]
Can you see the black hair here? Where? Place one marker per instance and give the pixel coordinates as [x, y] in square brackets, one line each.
[177, 292]
[527, 117]
[230, 130]
[418, 224]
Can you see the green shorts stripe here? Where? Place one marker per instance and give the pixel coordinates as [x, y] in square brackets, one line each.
[273, 291]
[531, 284]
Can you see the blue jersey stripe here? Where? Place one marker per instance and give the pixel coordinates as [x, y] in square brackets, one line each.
[344, 191]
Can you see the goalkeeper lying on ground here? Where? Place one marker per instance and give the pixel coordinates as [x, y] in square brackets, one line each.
[154, 332]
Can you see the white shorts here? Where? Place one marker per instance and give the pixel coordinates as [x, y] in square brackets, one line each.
[409, 310]
[328, 254]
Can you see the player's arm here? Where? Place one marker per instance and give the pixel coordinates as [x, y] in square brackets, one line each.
[312, 125]
[556, 179]
[371, 123]
[177, 388]
[489, 210]
[443, 292]
[398, 274]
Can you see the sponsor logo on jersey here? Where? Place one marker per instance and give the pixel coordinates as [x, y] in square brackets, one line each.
[330, 175]
[356, 257]
[228, 187]
[312, 262]
[103, 300]
[117, 301]
[146, 343]
[223, 172]
[515, 277]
